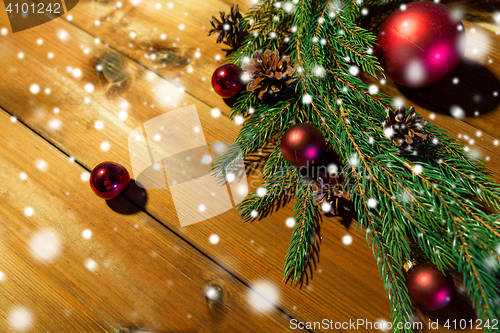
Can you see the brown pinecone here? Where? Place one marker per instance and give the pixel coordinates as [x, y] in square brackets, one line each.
[332, 189]
[405, 130]
[269, 73]
[228, 29]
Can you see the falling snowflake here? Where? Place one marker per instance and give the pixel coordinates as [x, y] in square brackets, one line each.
[85, 176]
[214, 239]
[354, 160]
[34, 88]
[87, 234]
[373, 89]
[288, 7]
[290, 222]
[263, 296]
[55, 124]
[90, 264]
[20, 319]
[415, 72]
[347, 239]
[44, 245]
[215, 113]
[238, 120]
[89, 87]
[306, 99]
[388, 132]
[105, 146]
[492, 263]
[122, 115]
[62, 35]
[417, 169]
[319, 71]
[371, 203]
[354, 70]
[261, 191]
[77, 72]
[457, 112]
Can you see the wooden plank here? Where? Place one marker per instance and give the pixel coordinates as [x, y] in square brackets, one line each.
[252, 251]
[124, 270]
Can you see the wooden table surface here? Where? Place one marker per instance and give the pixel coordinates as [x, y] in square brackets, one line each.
[71, 262]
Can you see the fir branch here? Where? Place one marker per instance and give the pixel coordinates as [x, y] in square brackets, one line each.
[390, 270]
[433, 205]
[482, 289]
[303, 245]
[279, 182]
[251, 137]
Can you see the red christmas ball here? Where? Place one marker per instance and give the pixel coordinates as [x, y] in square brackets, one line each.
[226, 80]
[302, 144]
[429, 288]
[420, 43]
[109, 179]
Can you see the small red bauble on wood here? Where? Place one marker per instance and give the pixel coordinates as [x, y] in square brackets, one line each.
[227, 81]
[429, 288]
[109, 179]
[302, 144]
[420, 43]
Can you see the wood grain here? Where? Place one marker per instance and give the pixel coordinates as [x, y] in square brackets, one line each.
[346, 284]
[131, 271]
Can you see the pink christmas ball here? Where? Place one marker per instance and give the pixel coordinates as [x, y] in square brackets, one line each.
[420, 43]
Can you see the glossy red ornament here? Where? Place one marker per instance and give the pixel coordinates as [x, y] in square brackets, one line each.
[302, 144]
[429, 288]
[226, 80]
[109, 179]
[420, 43]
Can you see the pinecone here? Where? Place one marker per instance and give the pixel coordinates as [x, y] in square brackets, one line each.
[228, 28]
[269, 73]
[404, 130]
[332, 189]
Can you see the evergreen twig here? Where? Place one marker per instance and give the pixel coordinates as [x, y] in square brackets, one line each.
[422, 197]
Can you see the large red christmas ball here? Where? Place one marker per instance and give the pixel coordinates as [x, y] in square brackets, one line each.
[109, 179]
[302, 144]
[227, 81]
[429, 288]
[420, 43]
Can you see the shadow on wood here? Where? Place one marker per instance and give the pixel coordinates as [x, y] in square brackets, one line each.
[132, 201]
[473, 93]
